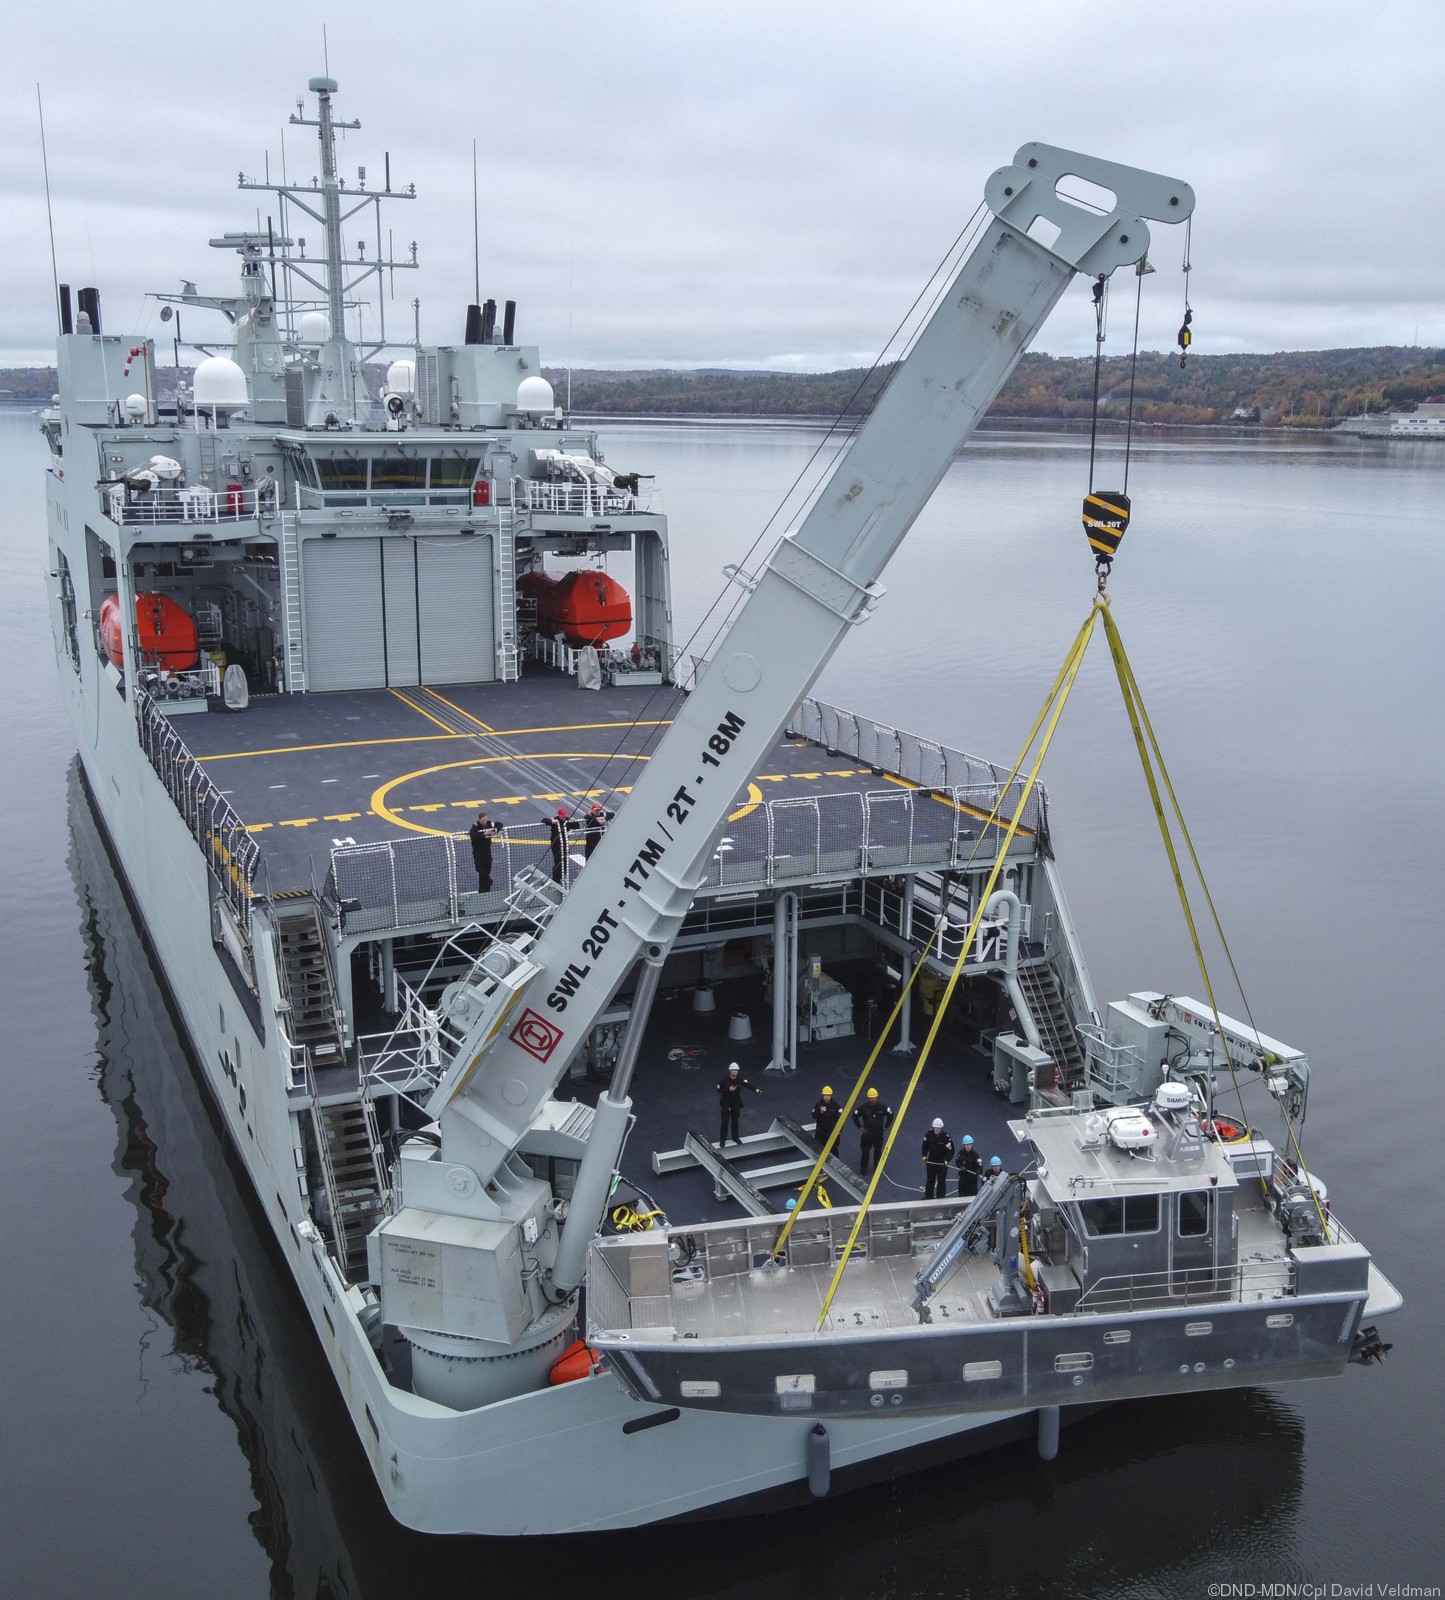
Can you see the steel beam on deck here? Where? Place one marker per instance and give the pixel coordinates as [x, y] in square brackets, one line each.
[726, 1176]
[835, 1169]
[771, 1142]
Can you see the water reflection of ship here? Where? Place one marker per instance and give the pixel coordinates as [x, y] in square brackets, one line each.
[1168, 1491]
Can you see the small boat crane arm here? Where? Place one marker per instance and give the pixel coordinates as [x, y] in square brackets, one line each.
[819, 580]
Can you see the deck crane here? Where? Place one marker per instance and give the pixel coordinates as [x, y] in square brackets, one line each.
[471, 1265]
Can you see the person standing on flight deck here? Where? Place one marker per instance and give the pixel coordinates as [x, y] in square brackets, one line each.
[593, 824]
[558, 831]
[730, 1099]
[872, 1119]
[481, 833]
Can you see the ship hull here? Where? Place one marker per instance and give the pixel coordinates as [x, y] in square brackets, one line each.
[543, 1463]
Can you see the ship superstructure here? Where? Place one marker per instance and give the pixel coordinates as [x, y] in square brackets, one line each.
[313, 619]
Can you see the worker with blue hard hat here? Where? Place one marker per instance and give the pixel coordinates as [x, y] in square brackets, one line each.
[969, 1168]
[995, 1166]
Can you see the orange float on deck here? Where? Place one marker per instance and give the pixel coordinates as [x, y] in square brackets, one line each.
[584, 607]
[166, 630]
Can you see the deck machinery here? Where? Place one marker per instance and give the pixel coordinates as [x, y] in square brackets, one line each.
[387, 1044]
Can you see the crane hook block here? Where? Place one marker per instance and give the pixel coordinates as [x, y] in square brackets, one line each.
[1106, 518]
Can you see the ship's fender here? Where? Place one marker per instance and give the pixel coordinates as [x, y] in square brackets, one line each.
[820, 1461]
[576, 1361]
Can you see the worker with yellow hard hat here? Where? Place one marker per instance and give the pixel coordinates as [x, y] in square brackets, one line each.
[872, 1120]
[825, 1116]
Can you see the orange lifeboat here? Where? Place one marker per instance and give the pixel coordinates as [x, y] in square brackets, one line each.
[166, 630]
[587, 607]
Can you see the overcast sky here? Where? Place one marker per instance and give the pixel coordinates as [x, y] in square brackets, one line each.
[723, 182]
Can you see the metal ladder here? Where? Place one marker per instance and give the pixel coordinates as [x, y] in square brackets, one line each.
[291, 602]
[1051, 1016]
[348, 1148]
[508, 656]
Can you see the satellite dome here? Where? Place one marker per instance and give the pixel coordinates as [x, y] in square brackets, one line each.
[219, 382]
[313, 327]
[535, 395]
[135, 405]
[401, 377]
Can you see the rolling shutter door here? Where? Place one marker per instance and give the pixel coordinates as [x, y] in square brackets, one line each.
[454, 606]
[343, 611]
[398, 566]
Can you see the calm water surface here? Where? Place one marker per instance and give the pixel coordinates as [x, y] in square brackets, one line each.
[167, 1427]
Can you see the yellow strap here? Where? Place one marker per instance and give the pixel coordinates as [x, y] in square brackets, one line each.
[1139, 721]
[1067, 677]
[1076, 647]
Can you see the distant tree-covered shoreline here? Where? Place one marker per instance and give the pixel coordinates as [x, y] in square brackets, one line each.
[1293, 388]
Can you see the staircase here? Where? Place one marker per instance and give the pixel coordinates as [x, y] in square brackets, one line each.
[348, 1147]
[508, 656]
[1057, 1034]
[307, 985]
[291, 602]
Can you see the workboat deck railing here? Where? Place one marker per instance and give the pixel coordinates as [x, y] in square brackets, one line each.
[1144, 1291]
[427, 880]
[233, 855]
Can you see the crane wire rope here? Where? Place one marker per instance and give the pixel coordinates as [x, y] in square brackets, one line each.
[831, 1142]
[959, 246]
[1069, 675]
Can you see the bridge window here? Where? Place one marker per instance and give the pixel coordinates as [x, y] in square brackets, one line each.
[342, 473]
[398, 472]
[453, 472]
[1132, 1213]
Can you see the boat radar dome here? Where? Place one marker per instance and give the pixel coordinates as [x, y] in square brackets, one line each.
[535, 395]
[313, 327]
[219, 383]
[401, 377]
[135, 405]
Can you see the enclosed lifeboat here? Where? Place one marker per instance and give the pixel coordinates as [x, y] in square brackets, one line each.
[167, 632]
[586, 607]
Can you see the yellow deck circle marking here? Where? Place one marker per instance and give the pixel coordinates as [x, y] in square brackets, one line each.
[379, 797]
[755, 799]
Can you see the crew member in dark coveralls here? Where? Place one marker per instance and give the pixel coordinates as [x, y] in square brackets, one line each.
[825, 1116]
[482, 832]
[969, 1168]
[937, 1154]
[730, 1098]
[559, 830]
[596, 820]
[872, 1119]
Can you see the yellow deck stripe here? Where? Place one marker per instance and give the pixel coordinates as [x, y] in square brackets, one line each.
[484, 726]
[420, 712]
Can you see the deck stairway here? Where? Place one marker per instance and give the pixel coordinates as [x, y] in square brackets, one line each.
[1057, 1033]
[307, 985]
[348, 1147]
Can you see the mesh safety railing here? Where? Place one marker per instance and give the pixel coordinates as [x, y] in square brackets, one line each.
[233, 854]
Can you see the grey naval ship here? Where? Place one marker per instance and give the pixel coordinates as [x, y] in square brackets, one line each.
[454, 862]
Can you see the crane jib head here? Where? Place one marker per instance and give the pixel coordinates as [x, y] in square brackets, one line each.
[1094, 233]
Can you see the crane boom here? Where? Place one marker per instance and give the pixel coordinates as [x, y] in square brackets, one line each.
[819, 580]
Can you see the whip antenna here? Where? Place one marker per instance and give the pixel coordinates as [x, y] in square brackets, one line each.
[49, 218]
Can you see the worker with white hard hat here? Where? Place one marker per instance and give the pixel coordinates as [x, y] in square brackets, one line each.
[730, 1099]
[937, 1154]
